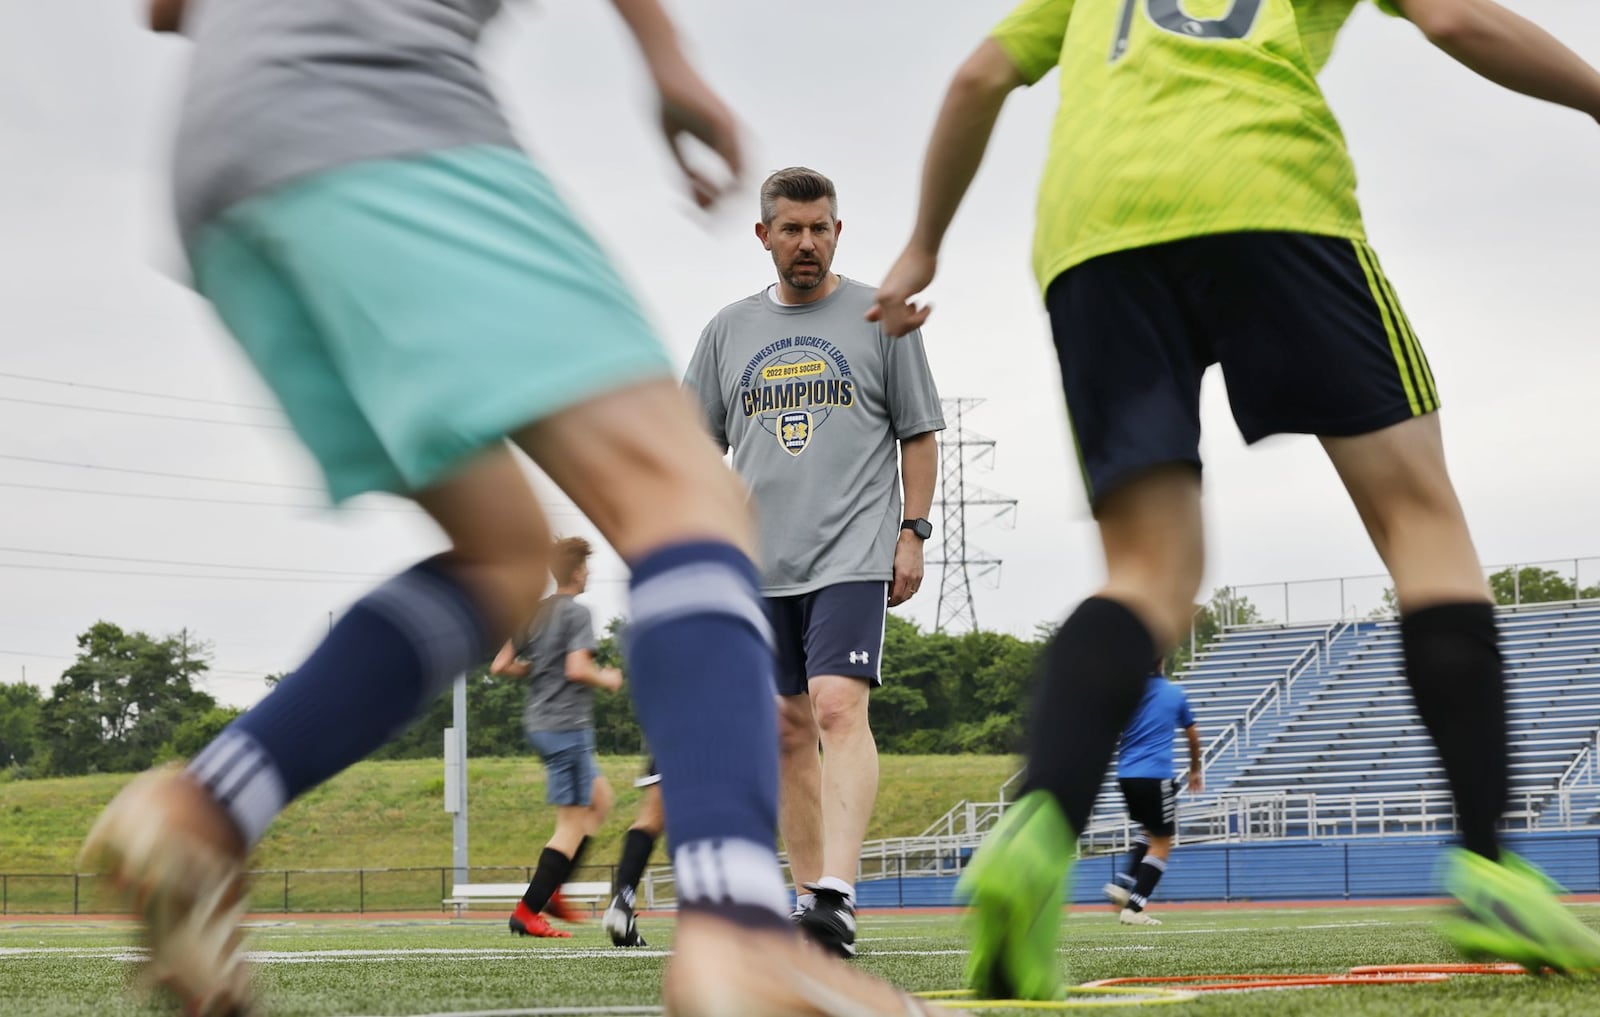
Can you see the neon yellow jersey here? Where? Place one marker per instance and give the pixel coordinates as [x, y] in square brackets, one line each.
[1181, 118]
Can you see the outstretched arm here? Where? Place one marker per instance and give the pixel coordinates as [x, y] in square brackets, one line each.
[688, 106]
[960, 137]
[1508, 49]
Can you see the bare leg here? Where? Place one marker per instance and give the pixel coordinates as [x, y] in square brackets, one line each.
[1400, 486]
[800, 790]
[849, 771]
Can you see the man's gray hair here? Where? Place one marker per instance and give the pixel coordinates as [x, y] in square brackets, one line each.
[797, 183]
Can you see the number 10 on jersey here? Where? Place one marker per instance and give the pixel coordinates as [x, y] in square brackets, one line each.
[1168, 15]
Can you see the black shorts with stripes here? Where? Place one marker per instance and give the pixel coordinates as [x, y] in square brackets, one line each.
[1152, 803]
[1307, 329]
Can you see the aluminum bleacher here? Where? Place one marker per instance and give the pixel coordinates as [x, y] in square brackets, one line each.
[1343, 752]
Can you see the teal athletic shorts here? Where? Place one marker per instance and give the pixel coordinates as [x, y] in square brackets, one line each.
[411, 312]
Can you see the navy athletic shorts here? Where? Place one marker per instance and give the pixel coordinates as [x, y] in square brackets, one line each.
[1307, 329]
[835, 630]
[1152, 803]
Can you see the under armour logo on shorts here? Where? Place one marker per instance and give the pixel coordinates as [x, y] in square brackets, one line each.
[859, 656]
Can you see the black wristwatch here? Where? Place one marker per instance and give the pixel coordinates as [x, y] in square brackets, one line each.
[921, 527]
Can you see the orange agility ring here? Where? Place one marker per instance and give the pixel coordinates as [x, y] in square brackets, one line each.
[1241, 983]
[1441, 969]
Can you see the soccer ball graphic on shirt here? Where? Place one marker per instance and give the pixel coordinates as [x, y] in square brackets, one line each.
[796, 392]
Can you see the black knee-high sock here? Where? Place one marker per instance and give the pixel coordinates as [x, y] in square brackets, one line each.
[636, 848]
[1150, 873]
[1093, 674]
[1454, 666]
[577, 856]
[554, 868]
[1130, 876]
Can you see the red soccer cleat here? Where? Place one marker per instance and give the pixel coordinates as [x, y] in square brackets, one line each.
[525, 922]
[557, 907]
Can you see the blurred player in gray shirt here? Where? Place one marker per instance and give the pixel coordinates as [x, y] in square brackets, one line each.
[555, 652]
[419, 298]
[815, 402]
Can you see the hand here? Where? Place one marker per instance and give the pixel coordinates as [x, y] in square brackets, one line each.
[907, 568]
[611, 679]
[166, 15]
[910, 275]
[689, 107]
[1197, 782]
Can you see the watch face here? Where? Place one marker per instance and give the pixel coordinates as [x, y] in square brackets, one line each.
[921, 527]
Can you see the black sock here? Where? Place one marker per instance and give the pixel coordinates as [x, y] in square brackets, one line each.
[554, 868]
[1150, 873]
[1092, 677]
[1130, 876]
[577, 858]
[1454, 666]
[636, 848]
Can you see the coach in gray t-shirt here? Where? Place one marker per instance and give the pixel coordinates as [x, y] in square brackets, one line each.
[815, 403]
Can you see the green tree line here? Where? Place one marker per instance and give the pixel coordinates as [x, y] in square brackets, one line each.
[131, 700]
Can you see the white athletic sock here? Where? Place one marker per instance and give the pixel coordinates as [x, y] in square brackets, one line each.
[805, 901]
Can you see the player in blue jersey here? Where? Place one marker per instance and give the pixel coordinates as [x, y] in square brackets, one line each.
[1149, 782]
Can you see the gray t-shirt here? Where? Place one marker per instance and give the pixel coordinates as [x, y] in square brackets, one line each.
[279, 89]
[555, 702]
[813, 400]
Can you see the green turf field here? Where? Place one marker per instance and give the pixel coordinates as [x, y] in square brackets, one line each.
[371, 967]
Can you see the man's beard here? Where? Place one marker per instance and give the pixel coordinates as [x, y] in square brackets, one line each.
[796, 281]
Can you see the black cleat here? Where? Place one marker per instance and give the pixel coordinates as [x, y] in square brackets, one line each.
[619, 923]
[830, 922]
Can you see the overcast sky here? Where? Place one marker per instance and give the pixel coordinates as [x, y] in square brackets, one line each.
[1482, 204]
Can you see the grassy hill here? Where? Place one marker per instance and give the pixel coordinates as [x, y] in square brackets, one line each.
[391, 815]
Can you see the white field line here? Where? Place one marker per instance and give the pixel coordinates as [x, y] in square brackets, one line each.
[551, 1011]
[133, 954]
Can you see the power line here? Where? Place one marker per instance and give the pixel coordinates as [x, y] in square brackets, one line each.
[136, 392]
[179, 575]
[196, 564]
[410, 509]
[407, 510]
[141, 413]
[158, 473]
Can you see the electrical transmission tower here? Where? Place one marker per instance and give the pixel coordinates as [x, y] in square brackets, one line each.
[961, 450]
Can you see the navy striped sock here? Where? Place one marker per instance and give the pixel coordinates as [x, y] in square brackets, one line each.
[376, 672]
[700, 666]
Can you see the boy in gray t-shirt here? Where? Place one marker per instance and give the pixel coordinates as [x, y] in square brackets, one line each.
[555, 652]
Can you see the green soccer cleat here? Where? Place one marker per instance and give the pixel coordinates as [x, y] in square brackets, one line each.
[1508, 910]
[1013, 887]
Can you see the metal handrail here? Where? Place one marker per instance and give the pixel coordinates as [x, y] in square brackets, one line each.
[1582, 765]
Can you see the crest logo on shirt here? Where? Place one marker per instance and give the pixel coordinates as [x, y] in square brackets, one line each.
[792, 386]
[794, 430]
